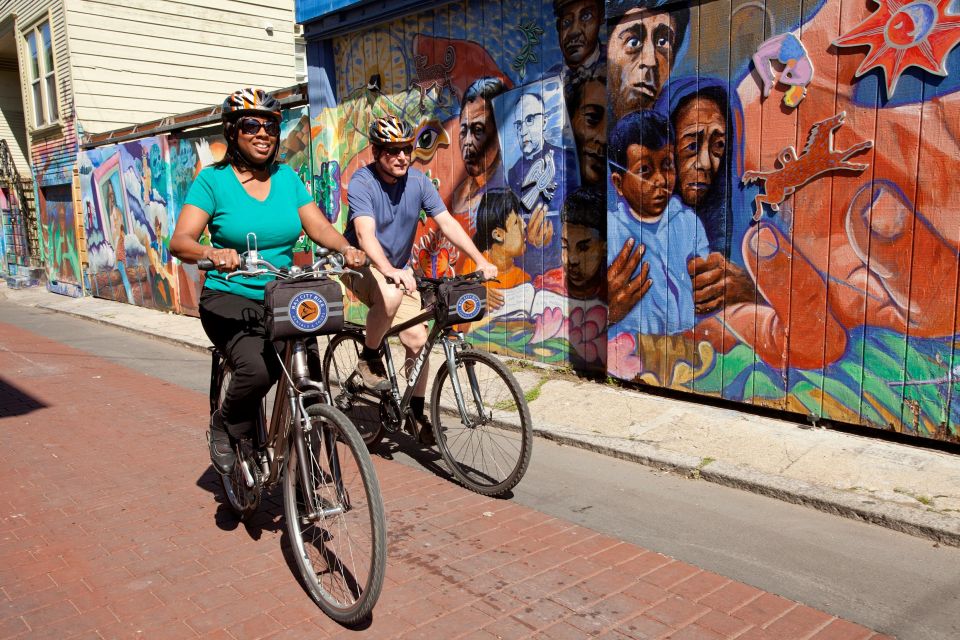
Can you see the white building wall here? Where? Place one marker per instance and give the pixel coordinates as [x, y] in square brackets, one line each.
[138, 60]
[12, 125]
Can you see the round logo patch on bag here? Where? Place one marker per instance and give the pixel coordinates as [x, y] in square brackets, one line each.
[308, 311]
[468, 306]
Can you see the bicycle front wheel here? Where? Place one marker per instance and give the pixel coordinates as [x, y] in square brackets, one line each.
[337, 526]
[339, 372]
[490, 453]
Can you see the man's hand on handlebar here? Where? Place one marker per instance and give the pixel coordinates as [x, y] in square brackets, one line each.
[488, 270]
[224, 260]
[403, 279]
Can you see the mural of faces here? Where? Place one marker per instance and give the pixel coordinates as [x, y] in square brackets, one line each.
[578, 29]
[701, 130]
[639, 55]
[479, 146]
[589, 122]
[529, 124]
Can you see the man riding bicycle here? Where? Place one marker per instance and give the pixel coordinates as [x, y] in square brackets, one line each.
[385, 199]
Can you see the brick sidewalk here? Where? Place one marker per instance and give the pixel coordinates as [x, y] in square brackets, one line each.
[110, 528]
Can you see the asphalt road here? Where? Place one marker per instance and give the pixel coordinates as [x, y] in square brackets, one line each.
[891, 582]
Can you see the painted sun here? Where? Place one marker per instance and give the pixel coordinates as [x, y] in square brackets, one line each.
[905, 34]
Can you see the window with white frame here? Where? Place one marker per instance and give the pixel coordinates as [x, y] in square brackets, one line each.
[43, 81]
[300, 59]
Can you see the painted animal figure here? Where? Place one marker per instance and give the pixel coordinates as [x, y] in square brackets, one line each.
[430, 76]
[818, 158]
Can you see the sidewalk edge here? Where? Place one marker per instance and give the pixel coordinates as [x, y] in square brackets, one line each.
[116, 324]
[930, 525]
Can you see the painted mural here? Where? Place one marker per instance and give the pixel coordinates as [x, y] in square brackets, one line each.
[489, 90]
[58, 240]
[131, 194]
[125, 196]
[779, 231]
[769, 173]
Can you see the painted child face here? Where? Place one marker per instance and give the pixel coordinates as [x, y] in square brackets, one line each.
[648, 181]
[583, 251]
[513, 235]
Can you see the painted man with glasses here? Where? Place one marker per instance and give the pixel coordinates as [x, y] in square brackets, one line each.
[539, 175]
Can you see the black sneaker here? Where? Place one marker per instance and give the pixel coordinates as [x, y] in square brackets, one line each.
[373, 374]
[222, 453]
[425, 431]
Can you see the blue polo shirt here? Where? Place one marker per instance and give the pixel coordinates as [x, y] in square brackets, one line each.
[394, 207]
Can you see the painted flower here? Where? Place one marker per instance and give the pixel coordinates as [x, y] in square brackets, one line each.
[588, 334]
[550, 324]
[623, 361]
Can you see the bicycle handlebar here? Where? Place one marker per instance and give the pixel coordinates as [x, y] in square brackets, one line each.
[433, 283]
[328, 263]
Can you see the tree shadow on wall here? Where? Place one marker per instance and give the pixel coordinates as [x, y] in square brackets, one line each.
[15, 402]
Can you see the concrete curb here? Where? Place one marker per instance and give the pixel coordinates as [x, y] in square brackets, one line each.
[924, 524]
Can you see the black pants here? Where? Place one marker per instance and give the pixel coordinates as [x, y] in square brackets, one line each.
[235, 326]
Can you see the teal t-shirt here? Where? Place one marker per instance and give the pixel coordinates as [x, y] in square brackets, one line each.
[234, 213]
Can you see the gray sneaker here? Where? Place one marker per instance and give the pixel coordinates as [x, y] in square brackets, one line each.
[373, 374]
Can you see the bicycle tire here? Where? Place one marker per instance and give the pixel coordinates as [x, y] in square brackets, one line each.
[243, 500]
[358, 535]
[339, 365]
[474, 454]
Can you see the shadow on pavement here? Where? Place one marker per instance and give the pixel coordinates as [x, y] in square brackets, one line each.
[15, 402]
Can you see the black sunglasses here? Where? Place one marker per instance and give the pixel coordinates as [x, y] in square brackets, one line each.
[395, 151]
[252, 126]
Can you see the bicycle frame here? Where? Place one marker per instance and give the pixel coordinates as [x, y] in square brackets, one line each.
[438, 332]
[274, 435]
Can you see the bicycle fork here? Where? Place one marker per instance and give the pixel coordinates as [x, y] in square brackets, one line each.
[450, 351]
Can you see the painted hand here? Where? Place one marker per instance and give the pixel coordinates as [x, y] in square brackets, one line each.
[717, 282]
[626, 291]
[539, 229]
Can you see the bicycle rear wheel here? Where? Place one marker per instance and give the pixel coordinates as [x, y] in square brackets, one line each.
[339, 371]
[243, 500]
[491, 454]
[338, 529]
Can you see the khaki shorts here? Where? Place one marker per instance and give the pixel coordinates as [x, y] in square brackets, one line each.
[365, 289]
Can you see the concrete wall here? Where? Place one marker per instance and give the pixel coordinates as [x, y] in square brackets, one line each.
[834, 129]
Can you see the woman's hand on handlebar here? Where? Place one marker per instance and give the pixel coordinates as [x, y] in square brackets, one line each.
[224, 260]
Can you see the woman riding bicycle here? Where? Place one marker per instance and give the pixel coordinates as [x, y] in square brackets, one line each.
[247, 192]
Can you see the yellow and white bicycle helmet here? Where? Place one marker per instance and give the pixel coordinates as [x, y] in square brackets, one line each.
[390, 130]
[243, 102]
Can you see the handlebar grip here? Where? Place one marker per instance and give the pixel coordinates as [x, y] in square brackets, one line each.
[205, 264]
